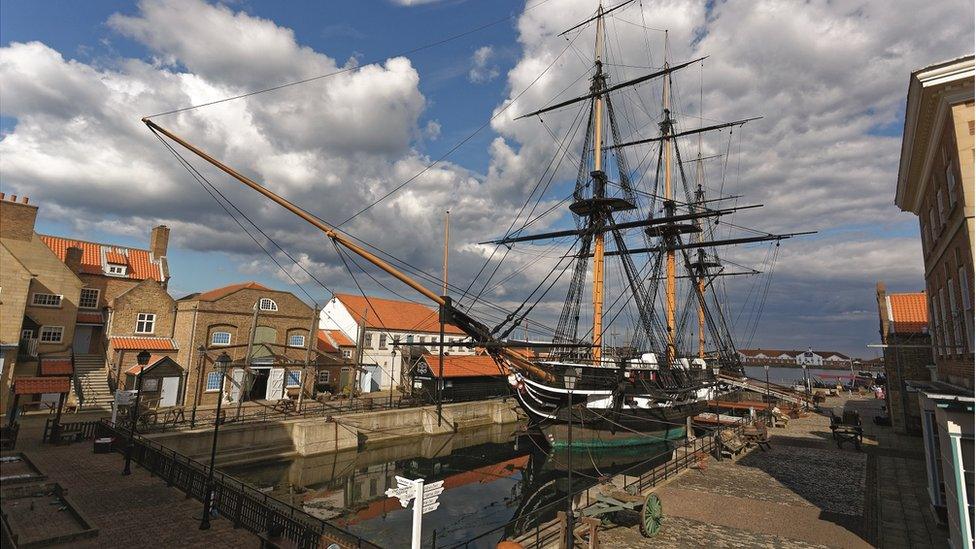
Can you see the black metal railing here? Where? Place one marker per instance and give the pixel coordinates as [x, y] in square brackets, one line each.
[237, 501]
[77, 430]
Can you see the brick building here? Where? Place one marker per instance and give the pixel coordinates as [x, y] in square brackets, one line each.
[39, 305]
[340, 378]
[936, 183]
[385, 326]
[267, 335]
[903, 325]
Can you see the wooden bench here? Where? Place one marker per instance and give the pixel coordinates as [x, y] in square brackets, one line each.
[756, 433]
[847, 428]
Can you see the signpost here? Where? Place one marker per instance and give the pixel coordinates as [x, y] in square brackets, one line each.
[424, 501]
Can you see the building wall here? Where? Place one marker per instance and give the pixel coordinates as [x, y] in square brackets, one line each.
[234, 314]
[906, 358]
[146, 297]
[947, 240]
[15, 281]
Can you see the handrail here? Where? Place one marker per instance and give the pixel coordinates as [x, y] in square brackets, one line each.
[246, 506]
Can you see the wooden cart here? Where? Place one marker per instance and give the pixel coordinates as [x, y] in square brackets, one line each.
[609, 504]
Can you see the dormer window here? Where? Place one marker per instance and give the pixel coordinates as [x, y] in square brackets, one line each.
[266, 304]
[116, 270]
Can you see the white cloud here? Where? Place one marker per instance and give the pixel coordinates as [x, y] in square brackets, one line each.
[482, 69]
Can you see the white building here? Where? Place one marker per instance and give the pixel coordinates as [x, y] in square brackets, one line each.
[388, 325]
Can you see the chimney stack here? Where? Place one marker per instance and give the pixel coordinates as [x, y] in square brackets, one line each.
[159, 241]
[25, 200]
[16, 218]
[72, 258]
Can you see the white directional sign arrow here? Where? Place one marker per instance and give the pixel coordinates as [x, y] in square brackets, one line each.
[431, 507]
[432, 494]
[434, 486]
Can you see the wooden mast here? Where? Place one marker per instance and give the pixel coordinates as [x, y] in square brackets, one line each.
[669, 283]
[700, 195]
[447, 239]
[598, 239]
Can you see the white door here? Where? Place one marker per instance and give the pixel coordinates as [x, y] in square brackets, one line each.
[82, 341]
[170, 391]
[276, 384]
[237, 381]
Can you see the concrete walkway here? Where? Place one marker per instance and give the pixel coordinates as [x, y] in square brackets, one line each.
[803, 492]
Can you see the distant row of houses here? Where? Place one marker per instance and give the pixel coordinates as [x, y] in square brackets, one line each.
[74, 316]
[792, 358]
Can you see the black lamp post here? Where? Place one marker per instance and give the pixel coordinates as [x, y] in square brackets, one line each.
[769, 411]
[569, 378]
[141, 359]
[396, 344]
[220, 365]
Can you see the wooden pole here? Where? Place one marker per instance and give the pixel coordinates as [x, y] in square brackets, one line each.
[312, 337]
[447, 239]
[598, 239]
[669, 284]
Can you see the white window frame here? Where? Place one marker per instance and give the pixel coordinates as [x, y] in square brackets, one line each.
[289, 375]
[51, 329]
[114, 269]
[147, 320]
[346, 353]
[950, 176]
[300, 344]
[323, 377]
[214, 342]
[267, 304]
[39, 298]
[216, 386]
[946, 347]
[81, 298]
[940, 201]
[382, 343]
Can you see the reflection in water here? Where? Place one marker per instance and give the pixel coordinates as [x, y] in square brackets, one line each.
[499, 481]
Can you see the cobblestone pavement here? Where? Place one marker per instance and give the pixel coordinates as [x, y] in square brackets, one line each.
[133, 511]
[803, 492]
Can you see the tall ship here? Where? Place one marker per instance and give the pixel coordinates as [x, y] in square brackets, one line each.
[642, 261]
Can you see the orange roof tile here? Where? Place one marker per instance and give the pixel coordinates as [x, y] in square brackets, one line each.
[217, 293]
[141, 264]
[153, 360]
[464, 366]
[143, 343]
[40, 385]
[56, 366]
[392, 314]
[329, 341]
[90, 318]
[908, 313]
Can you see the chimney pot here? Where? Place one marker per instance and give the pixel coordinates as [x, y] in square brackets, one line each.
[13, 198]
[3, 196]
[25, 200]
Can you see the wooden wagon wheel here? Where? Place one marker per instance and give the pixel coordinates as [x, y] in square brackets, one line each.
[651, 516]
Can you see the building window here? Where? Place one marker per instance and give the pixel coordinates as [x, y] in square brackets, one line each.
[956, 319]
[266, 304]
[967, 306]
[933, 226]
[297, 340]
[213, 382]
[293, 379]
[46, 300]
[51, 334]
[323, 377]
[116, 270]
[145, 323]
[346, 353]
[220, 338]
[382, 344]
[89, 298]
[950, 176]
[947, 345]
[940, 200]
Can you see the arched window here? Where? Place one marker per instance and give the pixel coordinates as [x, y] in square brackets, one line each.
[266, 304]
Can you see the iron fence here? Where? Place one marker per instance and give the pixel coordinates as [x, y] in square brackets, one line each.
[237, 501]
[77, 430]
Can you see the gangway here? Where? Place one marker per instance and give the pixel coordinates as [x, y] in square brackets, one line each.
[760, 386]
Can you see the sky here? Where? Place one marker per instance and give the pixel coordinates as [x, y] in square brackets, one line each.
[424, 81]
